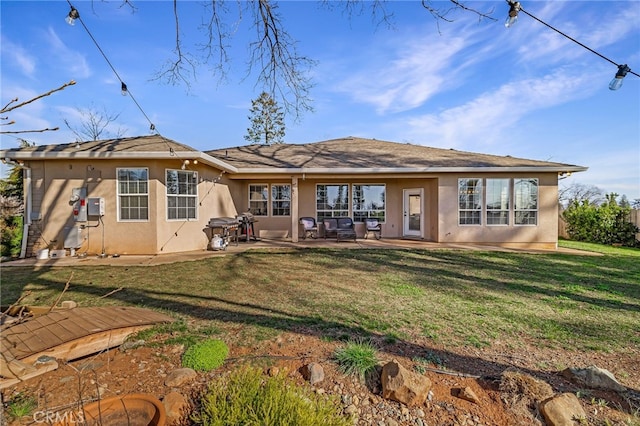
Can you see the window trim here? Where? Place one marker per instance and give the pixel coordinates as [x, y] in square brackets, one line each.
[333, 184]
[272, 200]
[186, 196]
[267, 212]
[509, 203]
[119, 194]
[352, 204]
[481, 203]
[536, 210]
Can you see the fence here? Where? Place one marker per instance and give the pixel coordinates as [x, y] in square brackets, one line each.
[634, 217]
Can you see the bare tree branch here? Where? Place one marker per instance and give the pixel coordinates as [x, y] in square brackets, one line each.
[31, 131]
[94, 125]
[7, 108]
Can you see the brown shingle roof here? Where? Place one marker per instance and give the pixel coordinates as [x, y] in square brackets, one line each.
[153, 143]
[359, 153]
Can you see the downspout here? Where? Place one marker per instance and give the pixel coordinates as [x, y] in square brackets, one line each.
[26, 182]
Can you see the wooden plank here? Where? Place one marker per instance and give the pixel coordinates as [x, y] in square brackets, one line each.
[44, 368]
[41, 334]
[88, 345]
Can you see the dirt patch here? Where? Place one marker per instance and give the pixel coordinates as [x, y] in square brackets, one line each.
[144, 369]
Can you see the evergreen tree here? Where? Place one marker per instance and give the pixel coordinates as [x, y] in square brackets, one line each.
[267, 121]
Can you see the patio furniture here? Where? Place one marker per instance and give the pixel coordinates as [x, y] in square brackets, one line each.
[342, 228]
[310, 227]
[374, 226]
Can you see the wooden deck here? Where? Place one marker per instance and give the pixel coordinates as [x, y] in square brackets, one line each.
[70, 334]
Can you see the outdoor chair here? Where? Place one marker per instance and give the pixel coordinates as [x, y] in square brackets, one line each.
[374, 226]
[309, 226]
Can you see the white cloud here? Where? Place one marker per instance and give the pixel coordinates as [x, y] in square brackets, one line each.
[17, 55]
[486, 119]
[72, 61]
[403, 74]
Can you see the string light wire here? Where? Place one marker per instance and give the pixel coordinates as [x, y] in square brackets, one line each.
[125, 89]
[512, 3]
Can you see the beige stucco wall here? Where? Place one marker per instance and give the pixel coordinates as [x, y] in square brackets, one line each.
[439, 206]
[53, 182]
[543, 236]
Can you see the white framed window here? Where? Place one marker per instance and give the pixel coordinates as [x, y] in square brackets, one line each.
[133, 194]
[280, 200]
[182, 194]
[470, 201]
[332, 201]
[497, 201]
[525, 196]
[259, 199]
[368, 202]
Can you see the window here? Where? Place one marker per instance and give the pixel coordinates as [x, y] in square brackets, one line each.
[469, 201]
[258, 199]
[525, 201]
[497, 202]
[332, 201]
[182, 194]
[280, 200]
[368, 202]
[133, 194]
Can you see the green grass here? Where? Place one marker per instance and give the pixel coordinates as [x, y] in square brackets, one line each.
[357, 358]
[21, 405]
[247, 397]
[391, 297]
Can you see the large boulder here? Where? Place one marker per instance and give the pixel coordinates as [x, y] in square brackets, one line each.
[404, 386]
[594, 377]
[563, 410]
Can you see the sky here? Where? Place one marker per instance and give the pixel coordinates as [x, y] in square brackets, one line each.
[470, 84]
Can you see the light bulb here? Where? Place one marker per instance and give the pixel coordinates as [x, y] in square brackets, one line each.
[72, 16]
[514, 8]
[123, 89]
[617, 81]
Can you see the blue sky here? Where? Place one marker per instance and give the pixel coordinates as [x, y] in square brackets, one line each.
[471, 84]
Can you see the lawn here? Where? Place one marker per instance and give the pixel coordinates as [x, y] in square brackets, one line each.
[448, 297]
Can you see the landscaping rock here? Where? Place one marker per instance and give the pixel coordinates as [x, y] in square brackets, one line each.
[179, 377]
[467, 394]
[176, 406]
[562, 410]
[594, 377]
[404, 386]
[313, 372]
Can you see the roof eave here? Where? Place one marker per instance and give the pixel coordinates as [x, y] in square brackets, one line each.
[104, 155]
[381, 170]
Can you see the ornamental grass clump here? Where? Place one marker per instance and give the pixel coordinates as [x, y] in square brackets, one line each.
[357, 359]
[206, 355]
[246, 396]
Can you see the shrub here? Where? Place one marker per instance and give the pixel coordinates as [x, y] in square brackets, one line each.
[246, 397]
[605, 224]
[21, 405]
[357, 358]
[206, 355]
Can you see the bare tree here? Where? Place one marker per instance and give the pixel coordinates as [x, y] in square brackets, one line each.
[580, 192]
[95, 125]
[273, 54]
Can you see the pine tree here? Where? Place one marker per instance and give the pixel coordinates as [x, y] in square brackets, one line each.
[267, 121]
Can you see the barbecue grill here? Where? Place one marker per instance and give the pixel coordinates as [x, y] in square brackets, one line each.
[229, 230]
[247, 230]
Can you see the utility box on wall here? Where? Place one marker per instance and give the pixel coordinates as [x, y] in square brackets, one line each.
[95, 206]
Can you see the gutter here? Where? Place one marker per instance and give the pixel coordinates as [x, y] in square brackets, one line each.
[401, 170]
[28, 202]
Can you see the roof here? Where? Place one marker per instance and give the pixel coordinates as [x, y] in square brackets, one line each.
[352, 153]
[345, 155]
[139, 147]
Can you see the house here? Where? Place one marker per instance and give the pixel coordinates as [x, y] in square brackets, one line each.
[150, 194]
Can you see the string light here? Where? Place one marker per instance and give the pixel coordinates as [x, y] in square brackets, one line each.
[515, 7]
